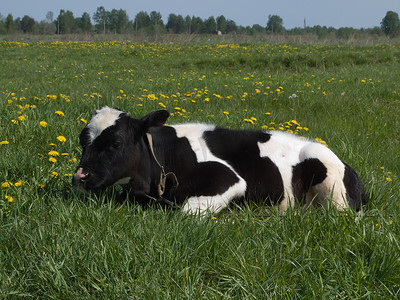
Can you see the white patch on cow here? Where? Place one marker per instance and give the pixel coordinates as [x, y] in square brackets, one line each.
[333, 186]
[214, 204]
[123, 181]
[194, 134]
[283, 149]
[103, 119]
[287, 150]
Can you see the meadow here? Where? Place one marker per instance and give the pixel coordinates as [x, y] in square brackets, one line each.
[58, 244]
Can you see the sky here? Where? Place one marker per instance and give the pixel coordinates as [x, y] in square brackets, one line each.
[330, 13]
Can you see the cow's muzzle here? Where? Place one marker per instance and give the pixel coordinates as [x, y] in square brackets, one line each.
[80, 177]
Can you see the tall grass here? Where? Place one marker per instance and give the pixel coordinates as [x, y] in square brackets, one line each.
[58, 244]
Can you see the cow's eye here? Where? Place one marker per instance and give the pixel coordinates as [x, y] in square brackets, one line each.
[116, 145]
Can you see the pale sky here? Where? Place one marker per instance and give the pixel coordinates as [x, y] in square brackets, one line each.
[335, 13]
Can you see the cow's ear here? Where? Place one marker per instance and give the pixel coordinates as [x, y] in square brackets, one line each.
[155, 118]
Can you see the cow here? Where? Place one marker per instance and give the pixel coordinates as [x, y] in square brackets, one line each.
[202, 167]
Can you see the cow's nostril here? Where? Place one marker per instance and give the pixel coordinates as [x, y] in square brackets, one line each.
[80, 175]
[84, 178]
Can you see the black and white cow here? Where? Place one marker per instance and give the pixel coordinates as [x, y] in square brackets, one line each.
[211, 166]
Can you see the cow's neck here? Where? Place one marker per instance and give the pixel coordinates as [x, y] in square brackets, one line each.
[163, 176]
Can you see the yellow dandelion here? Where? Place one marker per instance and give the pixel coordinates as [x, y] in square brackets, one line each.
[61, 139]
[84, 121]
[72, 160]
[64, 154]
[4, 143]
[41, 185]
[43, 123]
[6, 184]
[19, 183]
[53, 153]
[59, 113]
[21, 118]
[321, 141]
[226, 112]
[9, 199]
[54, 174]
[52, 159]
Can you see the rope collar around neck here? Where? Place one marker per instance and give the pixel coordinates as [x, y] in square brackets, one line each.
[163, 178]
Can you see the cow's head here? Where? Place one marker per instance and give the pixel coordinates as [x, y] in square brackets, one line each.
[113, 148]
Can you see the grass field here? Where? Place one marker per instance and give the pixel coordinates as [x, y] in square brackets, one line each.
[57, 244]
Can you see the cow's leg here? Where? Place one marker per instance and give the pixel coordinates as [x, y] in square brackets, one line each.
[332, 185]
[214, 185]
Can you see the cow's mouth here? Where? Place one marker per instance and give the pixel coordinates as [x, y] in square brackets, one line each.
[86, 180]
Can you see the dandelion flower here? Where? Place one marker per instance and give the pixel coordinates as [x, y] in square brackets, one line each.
[84, 121]
[41, 185]
[43, 123]
[53, 153]
[9, 198]
[59, 113]
[61, 139]
[54, 174]
[4, 143]
[6, 184]
[52, 159]
[19, 183]
[321, 141]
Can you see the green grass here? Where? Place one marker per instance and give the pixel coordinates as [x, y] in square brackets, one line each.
[58, 244]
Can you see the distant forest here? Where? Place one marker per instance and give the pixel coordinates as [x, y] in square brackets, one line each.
[118, 22]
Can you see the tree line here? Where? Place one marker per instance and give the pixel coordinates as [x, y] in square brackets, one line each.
[118, 22]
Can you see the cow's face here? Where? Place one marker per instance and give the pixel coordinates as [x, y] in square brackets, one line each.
[113, 147]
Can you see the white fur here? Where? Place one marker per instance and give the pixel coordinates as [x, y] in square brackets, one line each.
[194, 134]
[286, 150]
[333, 186]
[283, 150]
[103, 119]
[214, 204]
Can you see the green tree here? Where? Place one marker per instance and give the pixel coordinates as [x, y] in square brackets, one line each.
[231, 26]
[221, 24]
[10, 24]
[156, 18]
[210, 26]
[196, 25]
[142, 20]
[117, 21]
[84, 23]
[27, 24]
[100, 19]
[275, 24]
[66, 22]
[391, 24]
[175, 24]
[256, 28]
